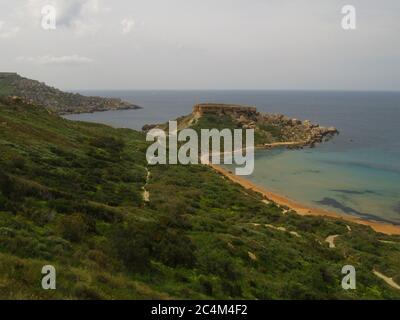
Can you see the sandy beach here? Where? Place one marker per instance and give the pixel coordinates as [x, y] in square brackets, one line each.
[304, 210]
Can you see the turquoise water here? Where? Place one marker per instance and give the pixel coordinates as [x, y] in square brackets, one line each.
[357, 173]
[346, 182]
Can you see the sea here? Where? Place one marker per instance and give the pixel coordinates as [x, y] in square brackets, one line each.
[356, 173]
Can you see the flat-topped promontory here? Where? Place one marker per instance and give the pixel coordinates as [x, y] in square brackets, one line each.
[270, 129]
[215, 108]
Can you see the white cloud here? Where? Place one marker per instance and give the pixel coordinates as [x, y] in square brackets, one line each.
[6, 33]
[56, 60]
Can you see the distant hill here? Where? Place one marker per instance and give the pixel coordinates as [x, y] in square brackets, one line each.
[12, 84]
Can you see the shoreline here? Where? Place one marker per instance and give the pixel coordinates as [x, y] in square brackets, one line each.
[304, 210]
[122, 108]
[297, 207]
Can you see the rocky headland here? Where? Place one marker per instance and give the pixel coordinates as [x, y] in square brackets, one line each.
[270, 129]
[12, 84]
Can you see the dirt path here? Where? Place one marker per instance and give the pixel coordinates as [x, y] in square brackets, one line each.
[331, 241]
[283, 229]
[388, 280]
[146, 193]
[387, 242]
[304, 210]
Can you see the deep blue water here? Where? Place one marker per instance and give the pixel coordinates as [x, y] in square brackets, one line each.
[357, 173]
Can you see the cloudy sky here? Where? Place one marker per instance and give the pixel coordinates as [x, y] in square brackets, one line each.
[203, 44]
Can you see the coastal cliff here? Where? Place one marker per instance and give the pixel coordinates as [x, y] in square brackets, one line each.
[12, 84]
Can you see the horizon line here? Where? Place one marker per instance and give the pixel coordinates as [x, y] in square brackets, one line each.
[249, 90]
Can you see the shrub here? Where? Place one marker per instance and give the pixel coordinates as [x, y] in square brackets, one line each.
[109, 144]
[206, 285]
[132, 245]
[85, 292]
[73, 227]
[175, 249]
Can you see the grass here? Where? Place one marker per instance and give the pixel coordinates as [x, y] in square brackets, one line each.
[71, 196]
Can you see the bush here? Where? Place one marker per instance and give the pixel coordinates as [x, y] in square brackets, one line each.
[175, 249]
[132, 245]
[85, 292]
[109, 144]
[6, 185]
[219, 263]
[73, 227]
[206, 285]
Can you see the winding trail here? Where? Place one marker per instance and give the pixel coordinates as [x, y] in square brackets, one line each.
[283, 229]
[387, 242]
[146, 193]
[331, 241]
[388, 280]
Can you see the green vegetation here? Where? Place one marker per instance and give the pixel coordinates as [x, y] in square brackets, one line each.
[71, 196]
[5, 88]
[215, 122]
[264, 133]
[12, 84]
[268, 128]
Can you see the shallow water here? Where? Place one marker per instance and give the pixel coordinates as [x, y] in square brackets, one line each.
[357, 173]
[346, 181]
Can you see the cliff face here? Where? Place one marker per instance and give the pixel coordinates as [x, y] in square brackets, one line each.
[54, 99]
[222, 109]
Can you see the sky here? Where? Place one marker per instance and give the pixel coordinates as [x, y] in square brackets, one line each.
[203, 44]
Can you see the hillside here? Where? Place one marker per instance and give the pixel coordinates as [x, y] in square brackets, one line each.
[72, 195]
[268, 128]
[11, 84]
